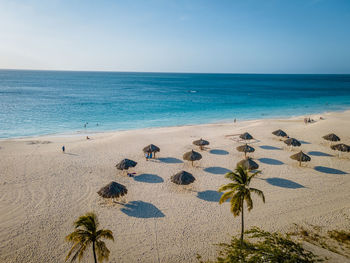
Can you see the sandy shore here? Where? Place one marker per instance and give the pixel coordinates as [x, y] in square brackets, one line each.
[43, 191]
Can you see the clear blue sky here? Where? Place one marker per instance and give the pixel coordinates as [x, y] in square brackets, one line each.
[247, 36]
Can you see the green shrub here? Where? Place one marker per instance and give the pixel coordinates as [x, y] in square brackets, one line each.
[261, 246]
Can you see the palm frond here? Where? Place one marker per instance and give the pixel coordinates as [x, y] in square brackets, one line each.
[226, 196]
[253, 175]
[88, 221]
[104, 233]
[229, 186]
[236, 205]
[73, 249]
[102, 251]
[83, 248]
[248, 200]
[259, 193]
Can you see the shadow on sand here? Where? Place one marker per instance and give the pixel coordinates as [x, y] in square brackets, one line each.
[328, 170]
[270, 161]
[285, 183]
[209, 195]
[141, 209]
[316, 153]
[268, 147]
[73, 154]
[170, 160]
[149, 178]
[218, 152]
[304, 142]
[216, 170]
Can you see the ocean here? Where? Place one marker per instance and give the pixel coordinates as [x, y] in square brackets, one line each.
[64, 102]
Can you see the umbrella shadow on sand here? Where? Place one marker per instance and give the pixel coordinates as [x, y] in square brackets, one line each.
[148, 178]
[270, 161]
[209, 196]
[285, 183]
[317, 153]
[269, 147]
[328, 170]
[170, 160]
[141, 209]
[218, 152]
[216, 170]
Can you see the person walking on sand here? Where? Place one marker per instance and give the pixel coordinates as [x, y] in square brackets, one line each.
[63, 149]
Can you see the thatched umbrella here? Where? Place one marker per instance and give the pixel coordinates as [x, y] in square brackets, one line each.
[126, 164]
[301, 157]
[151, 149]
[182, 177]
[248, 164]
[246, 136]
[192, 156]
[113, 190]
[292, 142]
[246, 149]
[200, 143]
[331, 137]
[341, 147]
[280, 133]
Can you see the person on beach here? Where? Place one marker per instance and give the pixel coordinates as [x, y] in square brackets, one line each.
[234, 121]
[63, 149]
[146, 156]
[87, 138]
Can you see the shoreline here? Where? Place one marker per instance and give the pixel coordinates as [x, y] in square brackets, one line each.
[111, 132]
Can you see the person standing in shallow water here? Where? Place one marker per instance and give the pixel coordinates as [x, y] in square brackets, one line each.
[63, 149]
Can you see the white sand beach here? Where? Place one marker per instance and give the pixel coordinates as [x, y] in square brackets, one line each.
[42, 190]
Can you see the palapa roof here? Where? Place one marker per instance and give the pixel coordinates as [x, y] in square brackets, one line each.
[248, 164]
[292, 142]
[126, 164]
[113, 190]
[245, 148]
[331, 137]
[192, 156]
[246, 136]
[280, 133]
[182, 177]
[341, 147]
[200, 142]
[151, 149]
[301, 157]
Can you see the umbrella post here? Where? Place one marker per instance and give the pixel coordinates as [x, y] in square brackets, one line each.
[299, 162]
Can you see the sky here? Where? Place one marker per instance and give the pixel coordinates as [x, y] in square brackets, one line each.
[226, 36]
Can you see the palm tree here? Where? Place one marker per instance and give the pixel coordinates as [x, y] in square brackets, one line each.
[86, 233]
[238, 191]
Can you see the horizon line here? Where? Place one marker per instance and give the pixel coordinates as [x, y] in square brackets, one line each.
[166, 72]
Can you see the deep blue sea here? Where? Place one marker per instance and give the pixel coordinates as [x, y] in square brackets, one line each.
[59, 102]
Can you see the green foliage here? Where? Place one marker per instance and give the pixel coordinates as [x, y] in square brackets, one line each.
[340, 236]
[262, 247]
[86, 234]
[239, 190]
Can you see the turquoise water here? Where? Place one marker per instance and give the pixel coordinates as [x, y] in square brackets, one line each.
[55, 102]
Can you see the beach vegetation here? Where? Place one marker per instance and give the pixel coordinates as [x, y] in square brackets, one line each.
[87, 234]
[239, 191]
[261, 246]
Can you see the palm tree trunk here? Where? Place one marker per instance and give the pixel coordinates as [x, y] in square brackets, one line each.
[242, 218]
[93, 249]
